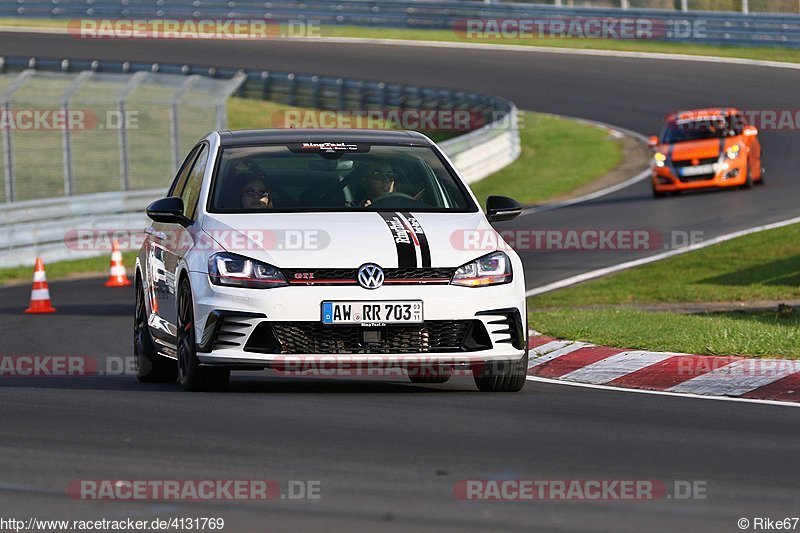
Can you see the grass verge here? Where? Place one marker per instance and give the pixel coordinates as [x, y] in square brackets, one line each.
[72, 268]
[735, 333]
[763, 266]
[760, 53]
[760, 266]
[558, 156]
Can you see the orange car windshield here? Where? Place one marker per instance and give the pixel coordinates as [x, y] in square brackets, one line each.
[695, 130]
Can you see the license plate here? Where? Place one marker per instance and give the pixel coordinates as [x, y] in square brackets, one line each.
[698, 170]
[383, 312]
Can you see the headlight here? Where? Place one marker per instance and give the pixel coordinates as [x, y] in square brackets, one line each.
[733, 152]
[491, 269]
[233, 270]
[659, 160]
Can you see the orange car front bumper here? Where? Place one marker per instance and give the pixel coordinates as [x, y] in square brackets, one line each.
[732, 173]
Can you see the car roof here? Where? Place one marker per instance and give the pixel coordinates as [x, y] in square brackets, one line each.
[707, 112]
[293, 135]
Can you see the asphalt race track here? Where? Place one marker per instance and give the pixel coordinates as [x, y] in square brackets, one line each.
[388, 454]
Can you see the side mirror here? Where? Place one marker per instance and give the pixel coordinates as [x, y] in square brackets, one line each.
[750, 131]
[652, 142]
[168, 210]
[501, 208]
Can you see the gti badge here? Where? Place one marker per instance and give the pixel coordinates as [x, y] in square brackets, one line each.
[370, 276]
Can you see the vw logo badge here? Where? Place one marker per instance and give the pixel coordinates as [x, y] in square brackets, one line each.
[370, 276]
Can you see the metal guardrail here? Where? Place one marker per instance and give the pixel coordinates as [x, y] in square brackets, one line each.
[42, 228]
[38, 228]
[710, 27]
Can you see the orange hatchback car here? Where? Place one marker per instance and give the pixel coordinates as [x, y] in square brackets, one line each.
[706, 148]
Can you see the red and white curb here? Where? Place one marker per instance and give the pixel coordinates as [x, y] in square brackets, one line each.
[774, 380]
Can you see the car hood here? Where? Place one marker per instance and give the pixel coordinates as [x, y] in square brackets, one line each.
[703, 149]
[348, 240]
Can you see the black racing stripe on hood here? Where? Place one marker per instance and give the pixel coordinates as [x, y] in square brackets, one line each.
[425, 248]
[406, 254]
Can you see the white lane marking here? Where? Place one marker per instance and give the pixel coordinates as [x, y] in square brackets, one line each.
[737, 378]
[484, 46]
[615, 130]
[660, 392]
[616, 366]
[591, 196]
[551, 346]
[657, 257]
[554, 354]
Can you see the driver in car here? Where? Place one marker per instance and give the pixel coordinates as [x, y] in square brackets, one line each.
[719, 125]
[254, 194]
[377, 179]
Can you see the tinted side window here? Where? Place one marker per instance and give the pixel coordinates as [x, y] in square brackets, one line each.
[191, 192]
[180, 178]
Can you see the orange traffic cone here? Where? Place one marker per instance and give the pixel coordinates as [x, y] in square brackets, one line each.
[117, 276]
[40, 295]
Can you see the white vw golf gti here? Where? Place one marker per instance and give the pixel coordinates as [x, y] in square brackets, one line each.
[342, 247]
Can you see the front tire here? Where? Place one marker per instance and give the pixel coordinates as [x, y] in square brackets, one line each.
[748, 182]
[191, 375]
[658, 194]
[504, 376]
[150, 366]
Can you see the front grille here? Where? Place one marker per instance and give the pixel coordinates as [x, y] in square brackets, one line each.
[345, 276]
[316, 338]
[701, 177]
[691, 163]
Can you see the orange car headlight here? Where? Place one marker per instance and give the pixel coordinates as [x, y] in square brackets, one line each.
[733, 152]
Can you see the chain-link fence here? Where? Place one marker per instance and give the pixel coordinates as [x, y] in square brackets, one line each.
[37, 228]
[71, 133]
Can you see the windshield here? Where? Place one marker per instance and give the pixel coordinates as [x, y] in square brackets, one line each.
[306, 177]
[698, 129]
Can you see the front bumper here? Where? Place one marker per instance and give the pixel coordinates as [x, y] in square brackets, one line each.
[665, 179]
[462, 325]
